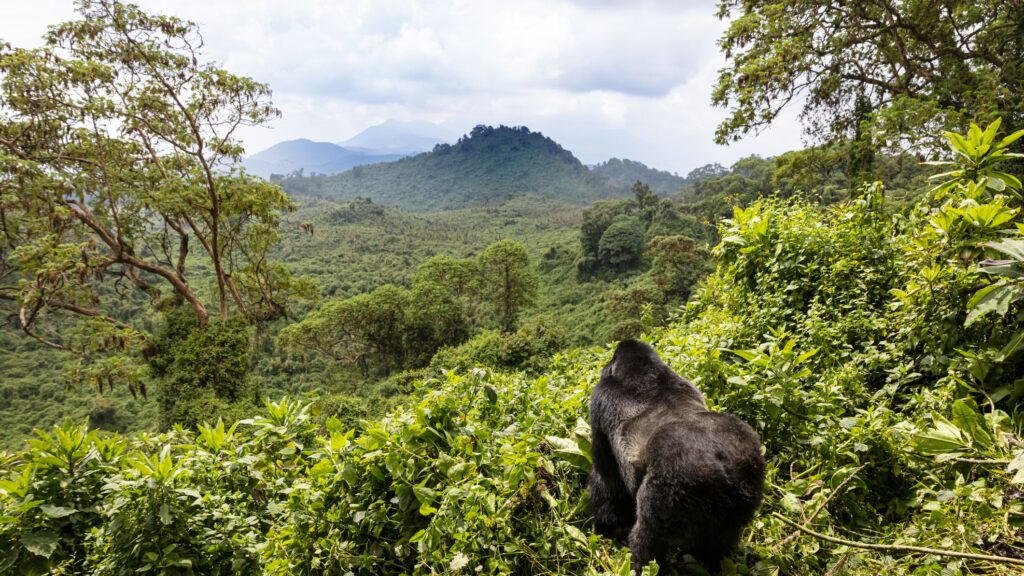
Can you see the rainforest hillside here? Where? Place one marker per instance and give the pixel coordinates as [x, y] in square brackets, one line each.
[350, 248]
[487, 167]
[885, 400]
[388, 370]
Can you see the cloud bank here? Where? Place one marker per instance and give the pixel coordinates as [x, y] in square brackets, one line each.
[602, 78]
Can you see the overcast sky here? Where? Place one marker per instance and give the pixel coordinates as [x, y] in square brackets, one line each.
[603, 78]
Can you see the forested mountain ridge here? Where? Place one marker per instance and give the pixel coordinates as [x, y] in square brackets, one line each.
[487, 167]
[625, 172]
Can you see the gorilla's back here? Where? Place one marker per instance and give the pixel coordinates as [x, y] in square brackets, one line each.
[712, 453]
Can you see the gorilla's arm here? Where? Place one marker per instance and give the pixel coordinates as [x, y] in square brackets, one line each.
[613, 507]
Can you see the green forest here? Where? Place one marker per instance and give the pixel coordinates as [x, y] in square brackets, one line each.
[388, 370]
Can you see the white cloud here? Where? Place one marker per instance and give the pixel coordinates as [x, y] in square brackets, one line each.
[602, 78]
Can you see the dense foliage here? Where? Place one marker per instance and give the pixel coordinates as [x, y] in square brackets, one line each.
[487, 167]
[863, 343]
[393, 328]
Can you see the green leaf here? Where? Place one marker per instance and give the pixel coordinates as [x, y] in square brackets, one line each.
[41, 543]
[569, 451]
[423, 494]
[748, 355]
[992, 298]
[321, 468]
[1012, 247]
[1012, 346]
[968, 418]
[1005, 142]
[57, 511]
[944, 438]
[990, 131]
[491, 393]
[165, 514]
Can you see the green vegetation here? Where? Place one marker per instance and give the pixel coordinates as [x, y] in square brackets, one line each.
[861, 340]
[487, 167]
[871, 333]
[393, 328]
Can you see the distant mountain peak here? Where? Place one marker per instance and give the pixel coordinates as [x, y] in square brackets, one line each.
[310, 157]
[400, 137]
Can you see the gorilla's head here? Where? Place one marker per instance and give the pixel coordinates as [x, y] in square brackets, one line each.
[633, 359]
[636, 367]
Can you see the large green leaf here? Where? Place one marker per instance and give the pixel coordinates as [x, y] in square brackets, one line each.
[41, 543]
[942, 438]
[569, 450]
[1012, 247]
[968, 418]
[992, 298]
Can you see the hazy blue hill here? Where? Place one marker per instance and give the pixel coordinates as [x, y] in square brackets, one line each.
[485, 168]
[308, 156]
[396, 137]
[625, 172]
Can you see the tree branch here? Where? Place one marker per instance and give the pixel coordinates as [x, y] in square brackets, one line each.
[900, 548]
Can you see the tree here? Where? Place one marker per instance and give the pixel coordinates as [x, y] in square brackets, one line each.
[622, 244]
[596, 219]
[647, 201]
[509, 282]
[204, 372]
[677, 263]
[917, 65]
[457, 278]
[116, 150]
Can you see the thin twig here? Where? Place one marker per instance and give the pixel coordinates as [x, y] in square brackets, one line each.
[981, 461]
[839, 565]
[821, 506]
[899, 548]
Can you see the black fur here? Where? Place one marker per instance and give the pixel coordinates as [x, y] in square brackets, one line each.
[668, 471]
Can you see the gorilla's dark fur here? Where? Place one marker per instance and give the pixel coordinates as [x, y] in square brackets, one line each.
[667, 470]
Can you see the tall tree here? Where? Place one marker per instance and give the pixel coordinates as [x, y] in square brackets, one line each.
[509, 282]
[919, 65]
[116, 146]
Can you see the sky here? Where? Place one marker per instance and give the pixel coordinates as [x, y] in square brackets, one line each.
[603, 78]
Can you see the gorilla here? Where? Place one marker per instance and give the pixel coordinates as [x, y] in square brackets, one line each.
[666, 470]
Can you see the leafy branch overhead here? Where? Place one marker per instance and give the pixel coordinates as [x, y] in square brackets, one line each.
[903, 69]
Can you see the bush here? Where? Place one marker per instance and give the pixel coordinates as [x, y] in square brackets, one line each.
[528, 348]
[205, 371]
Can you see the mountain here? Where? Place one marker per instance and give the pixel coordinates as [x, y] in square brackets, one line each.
[487, 167]
[396, 137]
[308, 156]
[626, 172]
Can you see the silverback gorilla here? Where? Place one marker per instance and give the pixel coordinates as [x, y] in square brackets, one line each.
[666, 469]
